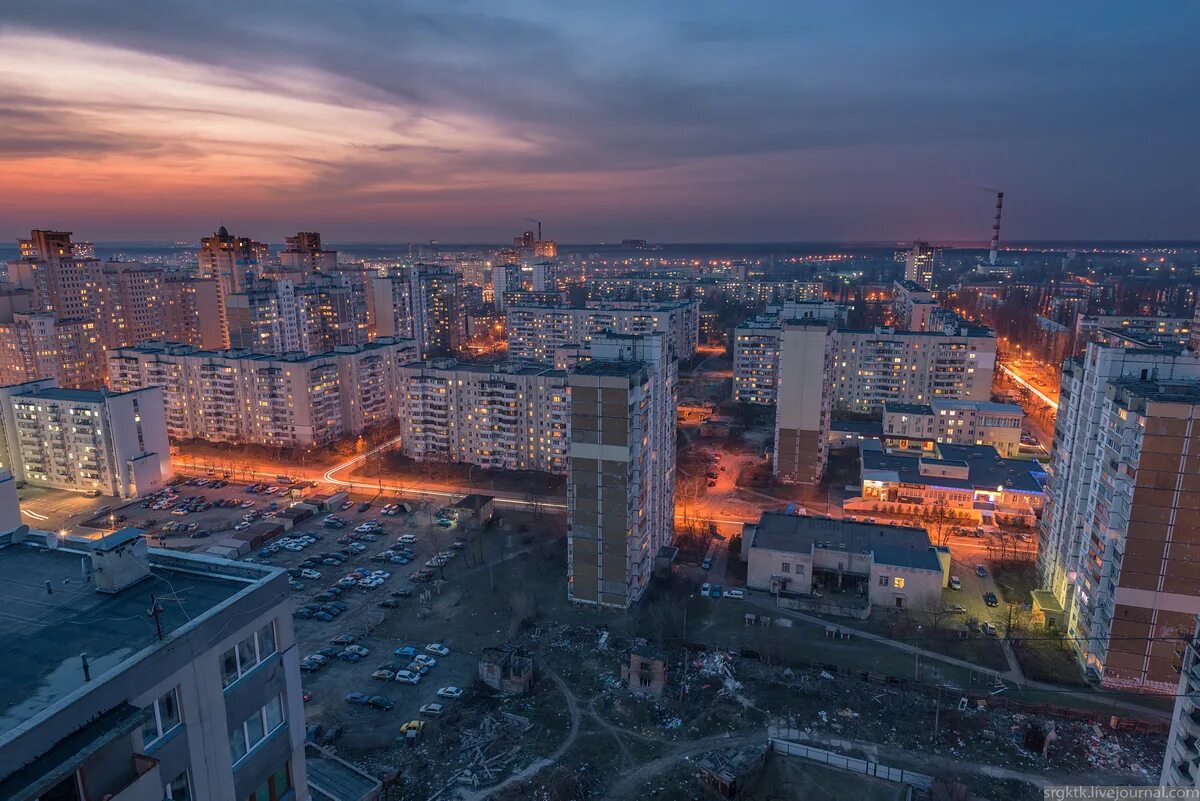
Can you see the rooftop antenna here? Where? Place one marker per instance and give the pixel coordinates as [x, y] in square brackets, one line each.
[996, 229]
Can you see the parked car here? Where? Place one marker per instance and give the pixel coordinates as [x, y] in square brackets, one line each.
[980, 571]
[384, 675]
[990, 599]
[426, 660]
[735, 594]
[705, 590]
[417, 726]
[957, 609]
[407, 676]
[349, 656]
[706, 564]
[450, 692]
[437, 649]
[380, 702]
[955, 583]
[432, 709]
[989, 629]
[358, 649]
[343, 639]
[406, 651]
[358, 699]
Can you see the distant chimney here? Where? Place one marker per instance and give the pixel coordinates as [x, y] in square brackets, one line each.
[996, 229]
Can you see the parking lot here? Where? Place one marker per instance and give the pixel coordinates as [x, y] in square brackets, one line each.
[382, 610]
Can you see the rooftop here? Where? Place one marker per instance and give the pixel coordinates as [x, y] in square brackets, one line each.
[49, 616]
[333, 779]
[893, 545]
[986, 469]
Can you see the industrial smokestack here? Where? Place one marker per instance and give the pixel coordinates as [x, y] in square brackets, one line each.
[539, 230]
[996, 229]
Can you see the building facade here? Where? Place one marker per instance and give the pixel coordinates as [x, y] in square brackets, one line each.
[498, 415]
[924, 425]
[802, 420]
[292, 401]
[1181, 764]
[210, 709]
[536, 330]
[621, 477]
[422, 302]
[42, 345]
[1106, 511]
[85, 440]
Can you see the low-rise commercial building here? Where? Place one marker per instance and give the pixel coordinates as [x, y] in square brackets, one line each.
[797, 556]
[85, 440]
[972, 481]
[197, 698]
[923, 426]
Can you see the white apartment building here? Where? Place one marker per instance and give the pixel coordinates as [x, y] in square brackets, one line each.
[265, 318]
[421, 302]
[200, 699]
[924, 425]
[291, 401]
[304, 254]
[85, 440]
[498, 415]
[621, 478]
[536, 331]
[919, 263]
[1181, 764]
[872, 367]
[756, 347]
[756, 293]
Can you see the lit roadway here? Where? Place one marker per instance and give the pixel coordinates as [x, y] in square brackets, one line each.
[425, 490]
[1015, 376]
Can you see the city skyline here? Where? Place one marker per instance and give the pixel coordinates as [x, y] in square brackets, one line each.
[386, 124]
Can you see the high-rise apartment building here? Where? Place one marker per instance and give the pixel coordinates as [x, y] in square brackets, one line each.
[304, 254]
[1181, 764]
[803, 413]
[621, 476]
[264, 318]
[870, 367]
[194, 312]
[176, 676]
[332, 309]
[422, 302]
[1117, 536]
[535, 331]
[233, 260]
[919, 263]
[42, 345]
[114, 443]
[501, 416]
[293, 400]
[756, 347]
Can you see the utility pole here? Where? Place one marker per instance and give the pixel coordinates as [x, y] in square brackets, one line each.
[155, 612]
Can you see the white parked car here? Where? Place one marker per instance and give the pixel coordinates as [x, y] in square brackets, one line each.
[407, 676]
[407, 539]
[426, 660]
[309, 573]
[358, 649]
[736, 594]
[705, 589]
[450, 692]
[437, 649]
[432, 709]
[242, 526]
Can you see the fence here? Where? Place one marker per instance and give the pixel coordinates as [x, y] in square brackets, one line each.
[918, 781]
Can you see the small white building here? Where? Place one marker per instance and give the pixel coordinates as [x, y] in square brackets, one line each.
[801, 556]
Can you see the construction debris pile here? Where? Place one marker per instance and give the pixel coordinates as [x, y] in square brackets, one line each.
[492, 749]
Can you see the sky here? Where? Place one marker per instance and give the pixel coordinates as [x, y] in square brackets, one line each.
[673, 121]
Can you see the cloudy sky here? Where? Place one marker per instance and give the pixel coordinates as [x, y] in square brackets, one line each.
[677, 120]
